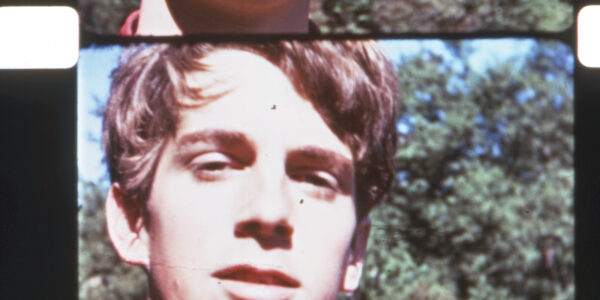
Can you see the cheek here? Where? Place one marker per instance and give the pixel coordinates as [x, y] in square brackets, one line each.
[187, 220]
[189, 232]
[324, 239]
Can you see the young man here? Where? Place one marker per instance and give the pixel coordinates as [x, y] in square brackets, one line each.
[246, 171]
[179, 17]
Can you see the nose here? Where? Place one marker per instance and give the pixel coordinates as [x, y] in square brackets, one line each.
[268, 235]
[267, 215]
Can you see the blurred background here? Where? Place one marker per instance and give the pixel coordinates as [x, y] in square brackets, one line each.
[482, 205]
[386, 16]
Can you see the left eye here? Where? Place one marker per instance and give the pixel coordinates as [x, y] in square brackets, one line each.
[320, 179]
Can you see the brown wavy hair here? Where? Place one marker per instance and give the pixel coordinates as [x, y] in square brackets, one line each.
[350, 83]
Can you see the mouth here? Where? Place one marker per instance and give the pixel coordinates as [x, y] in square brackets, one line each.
[246, 282]
[253, 275]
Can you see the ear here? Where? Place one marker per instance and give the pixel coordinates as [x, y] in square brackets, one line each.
[356, 257]
[126, 228]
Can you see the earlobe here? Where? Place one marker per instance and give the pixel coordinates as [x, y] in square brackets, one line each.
[125, 228]
[355, 263]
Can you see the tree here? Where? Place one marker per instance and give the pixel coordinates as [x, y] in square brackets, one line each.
[469, 15]
[102, 274]
[105, 16]
[482, 207]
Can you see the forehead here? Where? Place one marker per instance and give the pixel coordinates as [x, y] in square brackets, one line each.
[228, 66]
[242, 91]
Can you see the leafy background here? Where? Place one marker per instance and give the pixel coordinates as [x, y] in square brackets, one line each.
[482, 205]
[387, 16]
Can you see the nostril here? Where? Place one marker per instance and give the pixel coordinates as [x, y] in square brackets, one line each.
[252, 226]
[247, 229]
[283, 230]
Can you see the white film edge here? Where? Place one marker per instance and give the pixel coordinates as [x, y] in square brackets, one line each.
[38, 37]
[588, 36]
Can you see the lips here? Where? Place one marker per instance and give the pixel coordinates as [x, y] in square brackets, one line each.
[250, 274]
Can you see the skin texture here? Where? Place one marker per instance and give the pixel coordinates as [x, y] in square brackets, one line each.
[253, 182]
[179, 17]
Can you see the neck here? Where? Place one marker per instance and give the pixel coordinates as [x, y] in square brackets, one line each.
[175, 17]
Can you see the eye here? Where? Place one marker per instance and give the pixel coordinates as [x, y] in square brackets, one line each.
[213, 166]
[319, 178]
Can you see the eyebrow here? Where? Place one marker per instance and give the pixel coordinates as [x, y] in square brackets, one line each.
[234, 142]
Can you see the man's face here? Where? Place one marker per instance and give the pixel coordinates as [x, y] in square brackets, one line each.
[253, 196]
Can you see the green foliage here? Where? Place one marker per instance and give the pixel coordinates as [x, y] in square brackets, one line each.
[105, 16]
[102, 274]
[483, 203]
[470, 15]
[343, 16]
[389, 16]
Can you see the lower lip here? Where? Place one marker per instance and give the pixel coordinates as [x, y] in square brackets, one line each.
[253, 291]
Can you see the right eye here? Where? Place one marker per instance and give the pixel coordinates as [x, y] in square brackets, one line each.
[212, 166]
